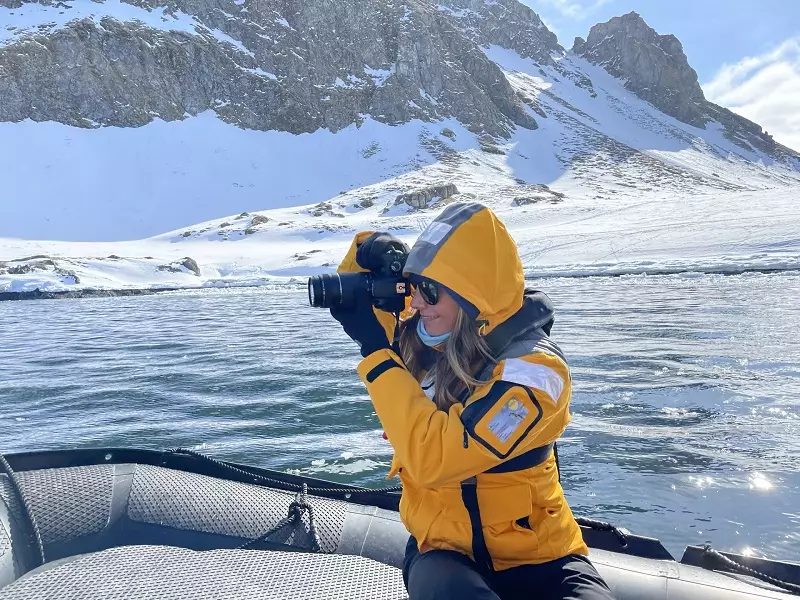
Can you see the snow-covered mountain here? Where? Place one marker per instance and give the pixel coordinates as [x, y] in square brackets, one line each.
[262, 134]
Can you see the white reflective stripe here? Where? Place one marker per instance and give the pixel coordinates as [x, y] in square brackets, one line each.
[540, 377]
[435, 232]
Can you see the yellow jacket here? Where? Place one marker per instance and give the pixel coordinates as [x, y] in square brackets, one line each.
[523, 405]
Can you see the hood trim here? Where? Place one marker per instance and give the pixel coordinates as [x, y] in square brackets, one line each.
[436, 235]
[537, 312]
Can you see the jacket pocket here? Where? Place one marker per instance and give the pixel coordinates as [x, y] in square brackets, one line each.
[410, 500]
[504, 504]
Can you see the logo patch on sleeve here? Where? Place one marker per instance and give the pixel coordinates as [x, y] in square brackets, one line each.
[508, 420]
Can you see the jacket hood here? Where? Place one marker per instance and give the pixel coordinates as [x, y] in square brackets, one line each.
[468, 250]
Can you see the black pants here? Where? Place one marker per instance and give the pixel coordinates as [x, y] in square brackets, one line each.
[444, 574]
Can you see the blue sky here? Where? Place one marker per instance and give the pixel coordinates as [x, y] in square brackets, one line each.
[746, 53]
[713, 32]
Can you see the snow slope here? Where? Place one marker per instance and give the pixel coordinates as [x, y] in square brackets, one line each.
[115, 184]
[631, 190]
[644, 236]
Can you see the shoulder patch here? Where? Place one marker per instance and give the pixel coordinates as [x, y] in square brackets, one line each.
[502, 418]
[508, 419]
[539, 377]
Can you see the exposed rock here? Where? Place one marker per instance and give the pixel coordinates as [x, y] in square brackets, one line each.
[244, 215]
[225, 224]
[258, 220]
[324, 209]
[30, 266]
[19, 269]
[185, 264]
[38, 263]
[653, 66]
[37, 294]
[448, 133]
[67, 274]
[745, 133]
[34, 257]
[506, 23]
[427, 196]
[370, 150]
[367, 202]
[438, 148]
[490, 146]
[249, 231]
[656, 69]
[271, 65]
[191, 264]
[535, 193]
[171, 268]
[533, 103]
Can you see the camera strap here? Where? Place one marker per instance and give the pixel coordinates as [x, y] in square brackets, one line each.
[396, 337]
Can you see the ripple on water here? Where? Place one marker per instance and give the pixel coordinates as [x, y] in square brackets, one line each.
[685, 407]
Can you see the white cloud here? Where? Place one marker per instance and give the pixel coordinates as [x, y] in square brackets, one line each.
[573, 9]
[764, 89]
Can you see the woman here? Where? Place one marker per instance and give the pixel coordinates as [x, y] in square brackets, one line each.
[472, 401]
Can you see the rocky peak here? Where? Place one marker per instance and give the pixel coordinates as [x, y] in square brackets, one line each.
[654, 66]
[290, 65]
[507, 23]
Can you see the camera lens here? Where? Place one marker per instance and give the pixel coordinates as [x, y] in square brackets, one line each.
[338, 289]
[324, 291]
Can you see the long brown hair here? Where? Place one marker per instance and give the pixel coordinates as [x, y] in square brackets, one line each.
[454, 367]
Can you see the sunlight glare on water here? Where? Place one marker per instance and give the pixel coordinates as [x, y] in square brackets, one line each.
[685, 405]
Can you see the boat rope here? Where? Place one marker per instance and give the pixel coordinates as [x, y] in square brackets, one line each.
[709, 552]
[604, 526]
[26, 509]
[346, 491]
[298, 506]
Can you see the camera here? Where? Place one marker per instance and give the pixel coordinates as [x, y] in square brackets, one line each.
[384, 283]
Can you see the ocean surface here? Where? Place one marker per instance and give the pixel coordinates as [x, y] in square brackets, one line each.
[686, 405]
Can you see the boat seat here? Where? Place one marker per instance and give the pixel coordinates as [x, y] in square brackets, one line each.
[171, 573]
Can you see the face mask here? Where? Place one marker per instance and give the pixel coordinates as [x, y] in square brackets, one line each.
[427, 338]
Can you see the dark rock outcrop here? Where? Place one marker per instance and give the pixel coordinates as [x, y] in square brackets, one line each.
[425, 197]
[289, 65]
[506, 23]
[188, 264]
[653, 66]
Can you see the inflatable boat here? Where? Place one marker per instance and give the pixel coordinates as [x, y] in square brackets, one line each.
[134, 524]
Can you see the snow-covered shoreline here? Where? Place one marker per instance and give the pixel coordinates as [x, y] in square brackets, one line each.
[731, 233]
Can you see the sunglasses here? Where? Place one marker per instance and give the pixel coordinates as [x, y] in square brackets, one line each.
[429, 291]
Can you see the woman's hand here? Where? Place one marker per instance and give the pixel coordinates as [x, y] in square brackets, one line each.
[373, 252]
[361, 324]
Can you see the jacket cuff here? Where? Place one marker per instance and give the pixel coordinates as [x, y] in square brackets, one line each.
[377, 363]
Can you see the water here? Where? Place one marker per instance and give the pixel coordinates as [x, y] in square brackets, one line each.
[685, 412]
